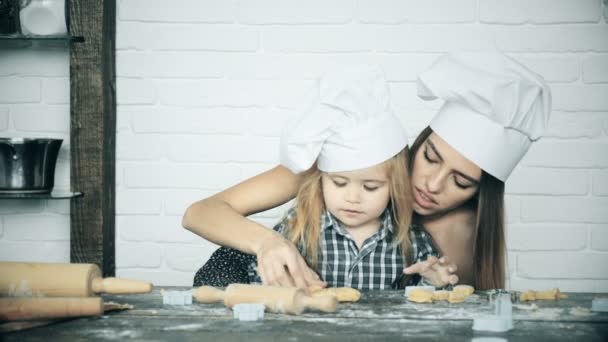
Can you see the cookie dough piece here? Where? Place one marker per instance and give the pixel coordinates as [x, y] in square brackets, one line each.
[456, 296]
[551, 294]
[420, 296]
[441, 295]
[342, 294]
[465, 290]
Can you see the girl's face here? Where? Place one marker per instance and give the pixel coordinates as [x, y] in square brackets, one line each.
[442, 178]
[356, 198]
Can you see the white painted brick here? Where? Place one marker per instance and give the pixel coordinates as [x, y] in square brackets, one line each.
[62, 175]
[595, 69]
[189, 258]
[208, 176]
[551, 153]
[526, 180]
[580, 98]
[176, 202]
[185, 37]
[21, 206]
[556, 237]
[189, 120]
[36, 62]
[138, 202]
[551, 38]
[431, 38]
[412, 11]
[4, 116]
[564, 285]
[575, 124]
[58, 207]
[209, 11]
[140, 146]
[20, 90]
[552, 67]
[600, 182]
[144, 255]
[512, 208]
[123, 119]
[56, 90]
[55, 251]
[135, 91]
[1, 228]
[599, 237]
[206, 148]
[539, 11]
[405, 66]
[161, 64]
[337, 38]
[158, 277]
[565, 209]
[259, 150]
[41, 118]
[241, 93]
[567, 265]
[159, 229]
[294, 12]
[37, 228]
[268, 121]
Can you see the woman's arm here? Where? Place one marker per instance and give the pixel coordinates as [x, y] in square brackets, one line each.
[221, 219]
[454, 235]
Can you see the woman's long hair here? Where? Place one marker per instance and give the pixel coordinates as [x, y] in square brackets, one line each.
[304, 229]
[489, 248]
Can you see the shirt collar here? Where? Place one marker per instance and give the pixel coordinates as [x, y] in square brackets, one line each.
[330, 221]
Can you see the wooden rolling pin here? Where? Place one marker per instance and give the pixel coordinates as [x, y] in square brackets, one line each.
[21, 279]
[289, 300]
[21, 309]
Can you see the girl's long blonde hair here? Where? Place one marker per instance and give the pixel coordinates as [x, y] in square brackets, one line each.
[304, 229]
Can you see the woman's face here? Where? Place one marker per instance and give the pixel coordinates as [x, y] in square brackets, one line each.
[442, 178]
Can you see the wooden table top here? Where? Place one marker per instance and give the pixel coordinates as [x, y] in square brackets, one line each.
[378, 315]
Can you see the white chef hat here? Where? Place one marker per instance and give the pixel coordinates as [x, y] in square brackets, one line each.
[494, 107]
[349, 125]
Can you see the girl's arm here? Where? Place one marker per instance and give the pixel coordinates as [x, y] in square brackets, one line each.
[221, 219]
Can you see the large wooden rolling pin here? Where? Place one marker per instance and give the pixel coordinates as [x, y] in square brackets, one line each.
[19, 279]
[289, 300]
[20, 309]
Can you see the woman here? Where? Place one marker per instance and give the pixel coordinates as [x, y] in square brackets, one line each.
[494, 109]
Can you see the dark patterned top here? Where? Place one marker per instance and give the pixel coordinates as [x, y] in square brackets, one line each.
[377, 265]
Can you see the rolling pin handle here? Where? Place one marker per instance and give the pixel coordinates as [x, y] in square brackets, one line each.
[321, 303]
[208, 295]
[120, 286]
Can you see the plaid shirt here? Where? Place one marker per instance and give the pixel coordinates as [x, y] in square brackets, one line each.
[377, 265]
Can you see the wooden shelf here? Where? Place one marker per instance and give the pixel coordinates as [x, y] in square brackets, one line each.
[21, 37]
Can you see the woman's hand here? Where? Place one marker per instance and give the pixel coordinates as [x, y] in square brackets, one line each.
[280, 264]
[439, 272]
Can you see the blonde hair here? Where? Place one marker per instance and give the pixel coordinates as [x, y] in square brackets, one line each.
[304, 229]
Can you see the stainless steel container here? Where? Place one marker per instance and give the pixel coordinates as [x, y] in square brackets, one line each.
[27, 165]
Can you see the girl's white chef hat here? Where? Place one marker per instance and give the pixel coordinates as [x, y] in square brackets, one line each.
[349, 125]
[494, 107]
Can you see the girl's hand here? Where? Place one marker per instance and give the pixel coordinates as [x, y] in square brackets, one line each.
[280, 264]
[439, 272]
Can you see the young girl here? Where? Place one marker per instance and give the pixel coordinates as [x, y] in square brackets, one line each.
[353, 207]
[494, 109]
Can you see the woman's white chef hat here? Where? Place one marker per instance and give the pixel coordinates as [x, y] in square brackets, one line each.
[494, 107]
[349, 125]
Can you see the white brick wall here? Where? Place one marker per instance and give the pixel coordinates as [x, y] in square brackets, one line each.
[204, 87]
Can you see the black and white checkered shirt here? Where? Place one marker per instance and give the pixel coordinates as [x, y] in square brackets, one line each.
[377, 265]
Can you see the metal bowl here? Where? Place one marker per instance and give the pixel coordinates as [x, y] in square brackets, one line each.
[27, 165]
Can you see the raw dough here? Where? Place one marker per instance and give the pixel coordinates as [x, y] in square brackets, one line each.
[456, 296]
[551, 294]
[342, 294]
[465, 290]
[441, 295]
[420, 296]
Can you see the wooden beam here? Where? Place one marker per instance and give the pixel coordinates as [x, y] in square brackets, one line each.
[93, 132]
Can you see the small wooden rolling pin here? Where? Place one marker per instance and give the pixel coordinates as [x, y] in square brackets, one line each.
[289, 300]
[62, 280]
[21, 309]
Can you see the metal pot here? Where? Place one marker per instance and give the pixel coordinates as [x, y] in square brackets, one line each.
[27, 165]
